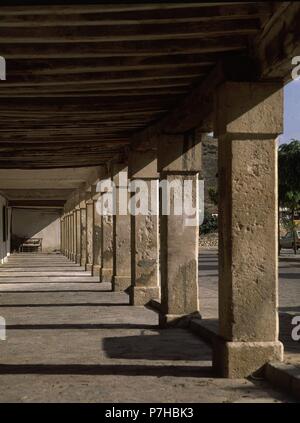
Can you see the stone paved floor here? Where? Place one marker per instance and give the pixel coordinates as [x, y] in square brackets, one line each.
[289, 295]
[70, 339]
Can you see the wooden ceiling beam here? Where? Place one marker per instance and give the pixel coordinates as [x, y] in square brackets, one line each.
[84, 129]
[105, 8]
[50, 104]
[152, 48]
[101, 144]
[37, 203]
[70, 94]
[116, 33]
[103, 140]
[196, 13]
[66, 116]
[39, 109]
[25, 79]
[57, 165]
[121, 87]
[58, 151]
[107, 64]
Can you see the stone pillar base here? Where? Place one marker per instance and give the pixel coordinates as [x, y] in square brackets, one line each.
[78, 259]
[96, 270]
[82, 262]
[141, 295]
[88, 267]
[120, 283]
[236, 360]
[177, 320]
[106, 275]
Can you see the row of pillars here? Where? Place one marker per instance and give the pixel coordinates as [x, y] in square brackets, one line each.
[155, 257]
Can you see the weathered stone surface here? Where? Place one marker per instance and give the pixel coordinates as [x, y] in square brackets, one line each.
[248, 245]
[78, 236]
[62, 232]
[142, 295]
[107, 249]
[97, 240]
[89, 234]
[69, 236]
[179, 259]
[241, 359]
[249, 108]
[145, 253]
[278, 375]
[248, 240]
[121, 247]
[144, 225]
[69, 249]
[119, 174]
[121, 229]
[74, 243]
[143, 164]
[65, 236]
[179, 153]
[83, 235]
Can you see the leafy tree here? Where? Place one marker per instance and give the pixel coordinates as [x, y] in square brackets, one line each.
[210, 223]
[213, 195]
[289, 180]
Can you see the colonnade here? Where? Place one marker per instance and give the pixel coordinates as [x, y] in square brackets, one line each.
[155, 256]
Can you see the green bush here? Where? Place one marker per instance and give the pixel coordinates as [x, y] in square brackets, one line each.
[210, 224]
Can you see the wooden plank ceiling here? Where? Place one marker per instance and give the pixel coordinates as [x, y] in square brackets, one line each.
[81, 79]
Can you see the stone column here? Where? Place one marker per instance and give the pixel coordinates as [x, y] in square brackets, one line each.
[145, 230]
[83, 232]
[89, 234]
[62, 234]
[69, 236]
[106, 271]
[121, 230]
[65, 234]
[107, 249]
[97, 242]
[179, 163]
[78, 234]
[248, 120]
[74, 235]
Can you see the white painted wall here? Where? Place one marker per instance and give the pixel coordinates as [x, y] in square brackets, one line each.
[37, 223]
[4, 246]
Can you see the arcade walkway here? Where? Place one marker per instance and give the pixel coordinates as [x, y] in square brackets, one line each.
[69, 338]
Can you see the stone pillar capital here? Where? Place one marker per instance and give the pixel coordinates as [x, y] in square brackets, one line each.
[179, 153]
[143, 164]
[249, 108]
[119, 174]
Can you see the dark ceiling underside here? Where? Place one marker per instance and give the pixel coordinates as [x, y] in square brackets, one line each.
[82, 79]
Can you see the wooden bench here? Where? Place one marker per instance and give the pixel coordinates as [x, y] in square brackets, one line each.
[33, 244]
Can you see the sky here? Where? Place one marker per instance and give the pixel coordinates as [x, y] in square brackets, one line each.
[291, 112]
